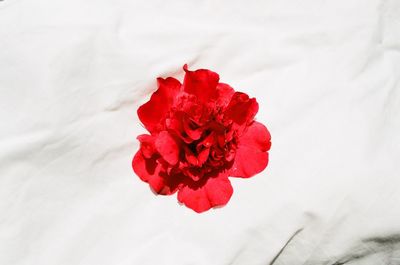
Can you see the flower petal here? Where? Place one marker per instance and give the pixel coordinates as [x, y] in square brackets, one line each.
[224, 94]
[251, 154]
[190, 157]
[215, 192]
[192, 129]
[241, 109]
[168, 147]
[152, 112]
[150, 171]
[203, 156]
[202, 83]
[175, 124]
[147, 145]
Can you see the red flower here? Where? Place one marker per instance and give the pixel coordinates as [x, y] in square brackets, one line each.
[201, 132]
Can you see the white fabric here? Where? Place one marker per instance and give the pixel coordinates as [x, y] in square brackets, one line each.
[325, 73]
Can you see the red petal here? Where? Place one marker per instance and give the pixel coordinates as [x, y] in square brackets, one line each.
[207, 141]
[192, 129]
[147, 145]
[168, 147]
[241, 108]
[251, 154]
[224, 94]
[150, 171]
[215, 192]
[175, 124]
[202, 83]
[203, 156]
[190, 157]
[195, 173]
[152, 112]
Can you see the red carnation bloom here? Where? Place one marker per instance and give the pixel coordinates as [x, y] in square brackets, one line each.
[201, 132]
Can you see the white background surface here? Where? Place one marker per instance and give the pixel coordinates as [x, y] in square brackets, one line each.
[325, 73]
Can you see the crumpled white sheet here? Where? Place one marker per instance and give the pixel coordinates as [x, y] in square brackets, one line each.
[326, 75]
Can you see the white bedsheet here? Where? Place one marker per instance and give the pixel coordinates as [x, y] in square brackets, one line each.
[325, 73]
